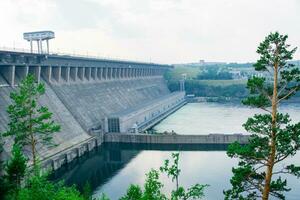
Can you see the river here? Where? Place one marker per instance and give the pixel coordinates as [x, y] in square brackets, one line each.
[112, 168]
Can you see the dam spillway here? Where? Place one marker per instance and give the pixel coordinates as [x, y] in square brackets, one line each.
[88, 97]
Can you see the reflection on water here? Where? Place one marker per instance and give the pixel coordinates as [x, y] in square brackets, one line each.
[112, 168]
[96, 167]
[103, 163]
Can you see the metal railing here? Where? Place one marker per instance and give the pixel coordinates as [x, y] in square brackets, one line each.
[59, 53]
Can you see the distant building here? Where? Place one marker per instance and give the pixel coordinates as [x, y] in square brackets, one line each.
[202, 62]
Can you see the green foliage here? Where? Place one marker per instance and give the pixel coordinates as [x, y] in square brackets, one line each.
[39, 188]
[223, 83]
[134, 192]
[103, 197]
[177, 72]
[172, 170]
[29, 122]
[194, 192]
[273, 50]
[212, 88]
[3, 188]
[2, 185]
[214, 74]
[15, 169]
[153, 187]
[273, 137]
[87, 191]
[254, 156]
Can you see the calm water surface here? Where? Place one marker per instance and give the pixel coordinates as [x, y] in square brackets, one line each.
[205, 118]
[112, 168]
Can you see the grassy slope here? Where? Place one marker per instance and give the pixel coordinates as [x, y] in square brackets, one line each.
[222, 82]
[190, 72]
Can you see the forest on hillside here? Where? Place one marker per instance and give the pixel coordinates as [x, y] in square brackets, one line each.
[218, 80]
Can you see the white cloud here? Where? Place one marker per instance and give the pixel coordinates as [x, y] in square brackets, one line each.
[168, 31]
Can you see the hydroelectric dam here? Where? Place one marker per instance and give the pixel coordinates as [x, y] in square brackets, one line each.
[95, 101]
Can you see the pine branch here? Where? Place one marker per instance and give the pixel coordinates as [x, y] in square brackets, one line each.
[282, 88]
[284, 157]
[287, 95]
[265, 109]
[281, 172]
[259, 186]
[256, 186]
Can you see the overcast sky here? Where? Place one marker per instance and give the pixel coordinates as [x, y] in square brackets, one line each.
[165, 31]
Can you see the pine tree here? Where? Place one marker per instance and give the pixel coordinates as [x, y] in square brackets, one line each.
[2, 185]
[15, 168]
[273, 137]
[30, 123]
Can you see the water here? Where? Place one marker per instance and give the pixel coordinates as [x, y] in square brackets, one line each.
[113, 168]
[205, 118]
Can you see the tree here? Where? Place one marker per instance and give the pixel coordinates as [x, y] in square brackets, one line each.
[273, 137]
[39, 188]
[194, 192]
[153, 187]
[30, 123]
[134, 192]
[15, 169]
[172, 170]
[2, 185]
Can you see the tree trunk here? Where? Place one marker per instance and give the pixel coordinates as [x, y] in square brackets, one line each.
[33, 150]
[269, 172]
[32, 141]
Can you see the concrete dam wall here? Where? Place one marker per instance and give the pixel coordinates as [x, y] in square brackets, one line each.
[88, 97]
[90, 103]
[176, 139]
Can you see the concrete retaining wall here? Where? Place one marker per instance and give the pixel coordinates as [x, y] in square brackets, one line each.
[149, 113]
[176, 139]
[67, 155]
